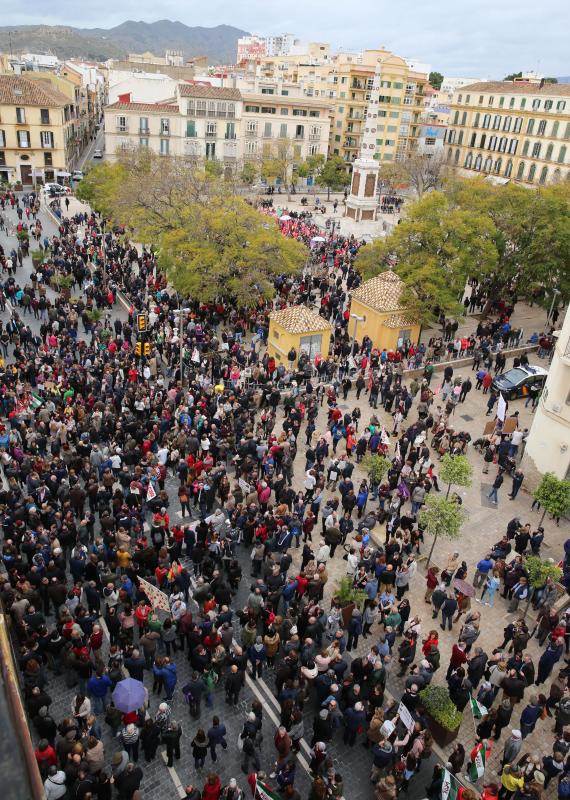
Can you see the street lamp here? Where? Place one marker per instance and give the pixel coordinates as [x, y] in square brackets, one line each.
[555, 293]
[357, 318]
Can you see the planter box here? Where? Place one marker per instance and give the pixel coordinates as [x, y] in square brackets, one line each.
[346, 613]
[442, 736]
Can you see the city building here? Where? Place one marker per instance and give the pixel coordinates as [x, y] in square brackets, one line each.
[227, 123]
[434, 120]
[300, 328]
[171, 64]
[252, 48]
[37, 130]
[548, 445]
[511, 131]
[376, 311]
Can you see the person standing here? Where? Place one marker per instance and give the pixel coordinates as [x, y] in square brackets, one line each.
[497, 483]
[518, 479]
[171, 738]
[448, 609]
[216, 736]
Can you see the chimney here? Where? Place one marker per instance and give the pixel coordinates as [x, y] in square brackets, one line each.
[125, 98]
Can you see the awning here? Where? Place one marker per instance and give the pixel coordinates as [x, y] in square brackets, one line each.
[497, 180]
[63, 173]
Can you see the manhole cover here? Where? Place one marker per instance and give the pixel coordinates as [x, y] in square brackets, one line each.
[467, 417]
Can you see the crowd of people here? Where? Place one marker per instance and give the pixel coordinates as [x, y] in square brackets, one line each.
[93, 439]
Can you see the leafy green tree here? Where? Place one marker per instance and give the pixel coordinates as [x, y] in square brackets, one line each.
[455, 471]
[435, 247]
[100, 185]
[249, 173]
[441, 517]
[333, 175]
[376, 466]
[539, 571]
[553, 494]
[513, 76]
[435, 79]
[226, 248]
[213, 168]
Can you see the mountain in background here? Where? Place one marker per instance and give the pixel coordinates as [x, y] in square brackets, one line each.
[99, 44]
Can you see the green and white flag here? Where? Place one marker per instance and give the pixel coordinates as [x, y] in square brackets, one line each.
[477, 709]
[477, 767]
[262, 792]
[449, 787]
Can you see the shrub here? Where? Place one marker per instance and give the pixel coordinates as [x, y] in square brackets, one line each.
[438, 704]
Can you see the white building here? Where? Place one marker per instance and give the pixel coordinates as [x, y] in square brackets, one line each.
[548, 444]
[250, 48]
[140, 87]
[279, 45]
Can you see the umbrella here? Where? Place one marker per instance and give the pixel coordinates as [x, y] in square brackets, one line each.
[284, 218]
[318, 239]
[464, 587]
[129, 695]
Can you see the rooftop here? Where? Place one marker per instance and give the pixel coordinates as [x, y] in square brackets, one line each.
[147, 107]
[518, 87]
[208, 92]
[382, 293]
[300, 319]
[18, 91]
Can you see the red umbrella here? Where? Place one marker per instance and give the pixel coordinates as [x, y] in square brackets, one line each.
[464, 587]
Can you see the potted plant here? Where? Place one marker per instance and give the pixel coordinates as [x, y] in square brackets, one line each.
[63, 284]
[442, 715]
[37, 257]
[348, 598]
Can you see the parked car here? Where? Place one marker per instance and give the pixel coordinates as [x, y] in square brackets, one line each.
[97, 153]
[54, 189]
[517, 382]
[77, 175]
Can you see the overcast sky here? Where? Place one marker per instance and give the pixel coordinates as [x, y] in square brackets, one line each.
[470, 38]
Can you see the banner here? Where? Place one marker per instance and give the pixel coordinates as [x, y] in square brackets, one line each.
[501, 408]
[477, 767]
[477, 709]
[449, 787]
[157, 598]
[150, 493]
[406, 717]
[262, 792]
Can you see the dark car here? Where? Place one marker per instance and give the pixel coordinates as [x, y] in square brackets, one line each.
[519, 381]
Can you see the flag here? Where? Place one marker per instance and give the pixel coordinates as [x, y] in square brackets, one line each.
[263, 792]
[449, 787]
[477, 709]
[477, 767]
[150, 493]
[501, 408]
[157, 598]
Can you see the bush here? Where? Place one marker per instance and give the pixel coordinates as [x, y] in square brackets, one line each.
[345, 593]
[539, 571]
[438, 704]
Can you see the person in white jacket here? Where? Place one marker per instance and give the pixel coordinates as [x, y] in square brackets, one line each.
[54, 784]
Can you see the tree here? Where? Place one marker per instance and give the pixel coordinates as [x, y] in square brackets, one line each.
[278, 160]
[225, 248]
[392, 175]
[435, 79]
[455, 471]
[441, 517]
[424, 172]
[333, 175]
[553, 494]
[100, 186]
[435, 248]
[513, 76]
[539, 572]
[249, 173]
[376, 466]
[213, 168]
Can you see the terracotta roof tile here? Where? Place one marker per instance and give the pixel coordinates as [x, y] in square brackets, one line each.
[208, 92]
[399, 321]
[300, 319]
[148, 107]
[16, 90]
[512, 87]
[382, 293]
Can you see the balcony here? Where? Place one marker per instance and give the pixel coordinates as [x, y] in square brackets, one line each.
[122, 129]
[251, 134]
[190, 135]
[314, 137]
[144, 131]
[230, 136]
[299, 137]
[165, 132]
[211, 135]
[230, 148]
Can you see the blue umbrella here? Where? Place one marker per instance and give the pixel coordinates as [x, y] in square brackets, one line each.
[129, 695]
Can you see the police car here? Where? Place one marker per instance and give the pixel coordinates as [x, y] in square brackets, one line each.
[520, 381]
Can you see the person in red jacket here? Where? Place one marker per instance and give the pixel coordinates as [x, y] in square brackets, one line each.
[45, 756]
[458, 657]
[212, 788]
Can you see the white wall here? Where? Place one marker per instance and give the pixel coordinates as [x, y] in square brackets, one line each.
[145, 87]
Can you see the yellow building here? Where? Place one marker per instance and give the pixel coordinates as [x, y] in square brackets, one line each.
[298, 327]
[379, 314]
[36, 124]
[511, 131]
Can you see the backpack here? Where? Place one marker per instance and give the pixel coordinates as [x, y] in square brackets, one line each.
[188, 696]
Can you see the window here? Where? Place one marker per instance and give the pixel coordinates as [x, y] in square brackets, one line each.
[476, 120]
[268, 110]
[190, 129]
[555, 126]
[337, 138]
[165, 127]
[525, 148]
[23, 138]
[501, 102]
[267, 132]
[561, 105]
[430, 141]
[210, 150]
[473, 138]
[549, 150]
[299, 131]
[536, 150]
[488, 164]
[21, 116]
[394, 128]
[491, 100]
[3, 160]
[48, 160]
[211, 129]
[164, 147]
[456, 159]
[509, 168]
[251, 126]
[562, 154]
[211, 108]
[2, 138]
[486, 121]
[285, 92]
[450, 154]
[518, 124]
[498, 165]
[469, 160]
[44, 116]
[284, 112]
[507, 123]
[548, 105]
[456, 118]
[313, 149]
[252, 109]
[512, 103]
[543, 175]
[531, 173]
[459, 138]
[314, 114]
[503, 144]
[480, 99]
[535, 104]
[143, 124]
[191, 108]
[567, 132]
[493, 143]
[513, 144]
[483, 140]
[299, 112]
[251, 147]
[267, 90]
[541, 127]
[497, 122]
[283, 131]
[478, 162]
[520, 171]
[143, 141]
[46, 139]
[464, 118]
[523, 103]
[231, 109]
[122, 124]
[530, 126]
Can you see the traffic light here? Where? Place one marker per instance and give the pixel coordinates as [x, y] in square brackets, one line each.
[138, 348]
[141, 323]
[147, 349]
